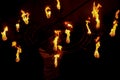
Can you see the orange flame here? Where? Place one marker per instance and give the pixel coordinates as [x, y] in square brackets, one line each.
[87, 22]
[57, 56]
[25, 16]
[96, 53]
[48, 12]
[4, 37]
[19, 50]
[58, 5]
[117, 14]
[95, 14]
[68, 24]
[55, 41]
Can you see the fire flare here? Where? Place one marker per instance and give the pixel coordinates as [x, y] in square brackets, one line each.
[58, 5]
[19, 50]
[55, 41]
[95, 14]
[4, 37]
[67, 32]
[17, 27]
[48, 12]
[96, 53]
[57, 56]
[25, 16]
[115, 24]
[87, 22]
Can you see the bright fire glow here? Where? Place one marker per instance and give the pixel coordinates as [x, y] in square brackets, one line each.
[55, 41]
[117, 14]
[58, 5]
[96, 53]
[57, 56]
[113, 30]
[19, 50]
[95, 14]
[48, 12]
[25, 16]
[87, 22]
[115, 24]
[4, 37]
[67, 32]
[17, 27]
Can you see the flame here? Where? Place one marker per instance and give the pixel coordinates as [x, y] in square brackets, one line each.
[19, 50]
[117, 14]
[4, 37]
[113, 30]
[48, 12]
[87, 22]
[96, 53]
[68, 24]
[57, 56]
[58, 5]
[68, 35]
[25, 16]
[95, 14]
[55, 41]
[14, 44]
[17, 27]
[115, 24]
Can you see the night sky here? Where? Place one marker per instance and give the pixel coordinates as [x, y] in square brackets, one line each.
[77, 58]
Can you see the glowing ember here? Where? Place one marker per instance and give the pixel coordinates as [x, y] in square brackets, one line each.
[48, 12]
[58, 5]
[95, 14]
[4, 37]
[17, 27]
[57, 56]
[68, 24]
[113, 30]
[96, 53]
[55, 41]
[25, 16]
[87, 22]
[19, 50]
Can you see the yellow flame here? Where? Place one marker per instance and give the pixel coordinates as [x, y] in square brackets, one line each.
[14, 44]
[19, 50]
[25, 16]
[117, 14]
[48, 12]
[58, 5]
[113, 30]
[4, 37]
[55, 41]
[89, 31]
[96, 53]
[67, 32]
[17, 27]
[57, 56]
[95, 14]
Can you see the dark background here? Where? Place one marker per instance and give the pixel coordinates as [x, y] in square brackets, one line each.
[77, 59]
